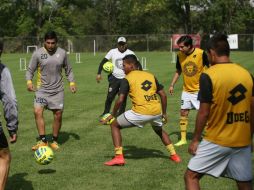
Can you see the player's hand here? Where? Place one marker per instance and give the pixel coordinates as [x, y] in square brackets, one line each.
[98, 78]
[171, 90]
[193, 147]
[13, 138]
[73, 88]
[164, 118]
[30, 87]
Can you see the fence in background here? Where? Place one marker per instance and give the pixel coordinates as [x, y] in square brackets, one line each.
[102, 43]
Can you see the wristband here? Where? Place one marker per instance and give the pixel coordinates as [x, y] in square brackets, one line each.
[72, 83]
[29, 82]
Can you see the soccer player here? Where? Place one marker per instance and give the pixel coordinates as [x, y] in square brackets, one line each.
[10, 110]
[143, 89]
[227, 107]
[49, 62]
[191, 62]
[115, 55]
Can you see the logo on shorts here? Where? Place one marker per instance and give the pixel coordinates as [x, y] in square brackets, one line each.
[60, 105]
[110, 89]
[190, 69]
[146, 85]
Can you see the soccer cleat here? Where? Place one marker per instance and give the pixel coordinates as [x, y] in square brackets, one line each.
[118, 160]
[39, 144]
[180, 143]
[54, 145]
[175, 158]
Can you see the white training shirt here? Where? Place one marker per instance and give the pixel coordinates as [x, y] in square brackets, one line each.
[116, 57]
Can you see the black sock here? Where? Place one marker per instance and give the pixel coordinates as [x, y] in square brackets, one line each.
[54, 138]
[43, 138]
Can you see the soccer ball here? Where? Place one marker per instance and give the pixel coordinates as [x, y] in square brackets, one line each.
[44, 155]
[108, 67]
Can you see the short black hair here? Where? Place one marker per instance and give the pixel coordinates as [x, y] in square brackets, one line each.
[131, 58]
[186, 39]
[219, 44]
[50, 35]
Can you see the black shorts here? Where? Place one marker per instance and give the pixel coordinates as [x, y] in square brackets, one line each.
[3, 141]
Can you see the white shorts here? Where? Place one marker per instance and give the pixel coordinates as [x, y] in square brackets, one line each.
[189, 101]
[222, 161]
[133, 119]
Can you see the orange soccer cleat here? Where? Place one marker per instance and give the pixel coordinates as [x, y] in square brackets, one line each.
[175, 158]
[118, 160]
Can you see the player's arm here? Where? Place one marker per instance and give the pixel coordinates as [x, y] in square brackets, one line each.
[205, 98]
[160, 91]
[123, 92]
[33, 64]
[175, 77]
[98, 77]
[9, 101]
[69, 73]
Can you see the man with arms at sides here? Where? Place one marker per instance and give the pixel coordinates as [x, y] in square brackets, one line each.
[49, 62]
[115, 56]
[143, 89]
[191, 62]
[10, 110]
[227, 114]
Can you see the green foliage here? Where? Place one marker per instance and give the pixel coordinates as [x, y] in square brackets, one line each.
[86, 17]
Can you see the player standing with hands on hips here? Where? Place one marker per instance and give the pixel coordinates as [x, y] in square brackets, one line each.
[115, 55]
[49, 93]
[227, 114]
[191, 62]
[10, 109]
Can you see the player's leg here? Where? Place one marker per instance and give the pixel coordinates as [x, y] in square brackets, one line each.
[184, 112]
[39, 103]
[57, 123]
[183, 127]
[112, 92]
[167, 142]
[191, 180]
[5, 160]
[117, 142]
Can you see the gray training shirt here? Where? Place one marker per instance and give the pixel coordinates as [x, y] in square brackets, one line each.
[49, 70]
[9, 100]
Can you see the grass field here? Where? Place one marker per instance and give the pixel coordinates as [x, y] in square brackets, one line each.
[86, 145]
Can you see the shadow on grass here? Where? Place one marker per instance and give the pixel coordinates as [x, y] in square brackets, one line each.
[189, 135]
[18, 182]
[63, 137]
[133, 152]
[46, 171]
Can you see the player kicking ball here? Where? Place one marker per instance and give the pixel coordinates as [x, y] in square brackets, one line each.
[143, 89]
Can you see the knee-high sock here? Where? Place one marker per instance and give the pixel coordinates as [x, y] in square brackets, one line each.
[183, 127]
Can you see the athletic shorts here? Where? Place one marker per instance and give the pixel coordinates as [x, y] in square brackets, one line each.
[222, 161]
[3, 141]
[49, 101]
[133, 119]
[189, 100]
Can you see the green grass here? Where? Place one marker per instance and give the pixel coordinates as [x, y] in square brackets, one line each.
[86, 145]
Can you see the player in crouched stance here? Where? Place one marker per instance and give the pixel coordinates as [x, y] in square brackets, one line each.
[143, 89]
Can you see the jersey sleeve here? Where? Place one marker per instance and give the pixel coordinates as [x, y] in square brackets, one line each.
[158, 85]
[9, 101]
[205, 59]
[178, 65]
[205, 94]
[32, 66]
[124, 87]
[108, 56]
[68, 69]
